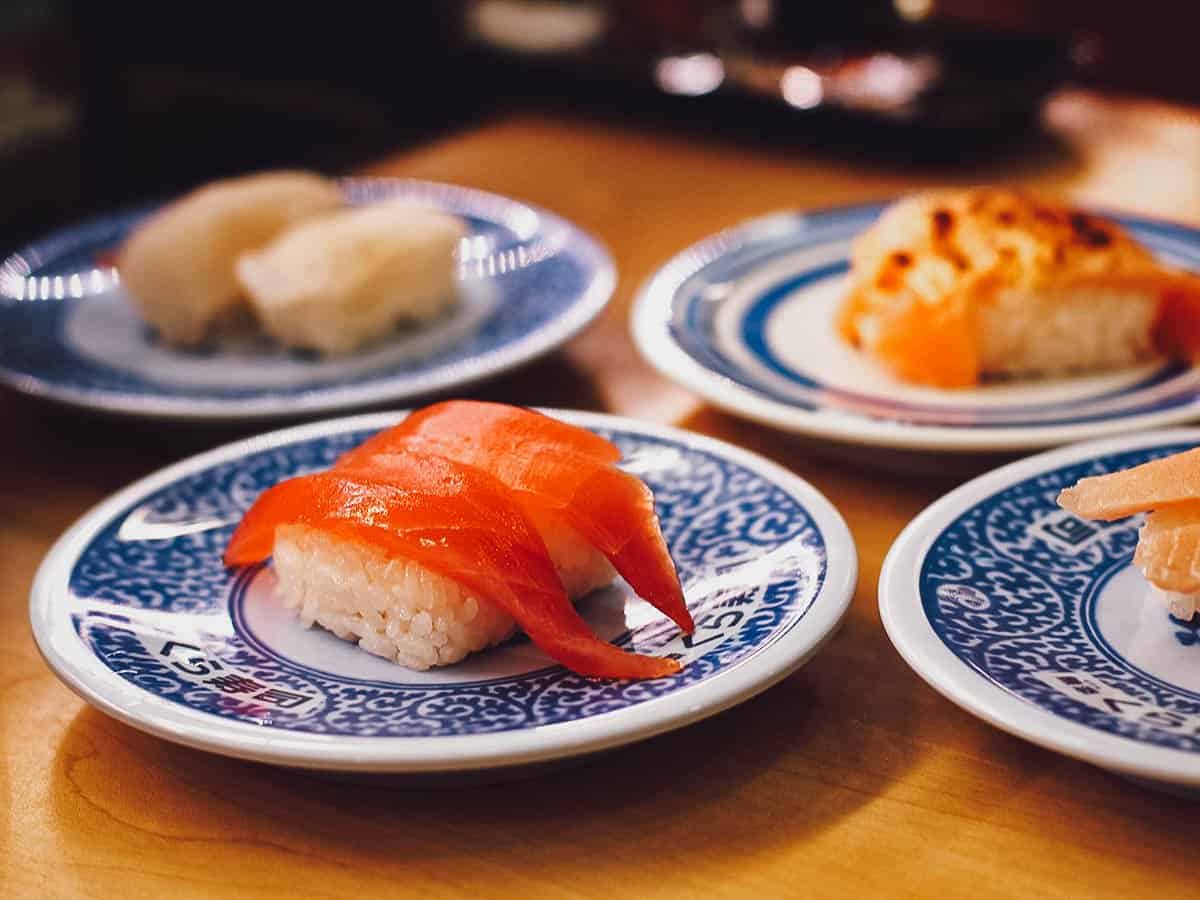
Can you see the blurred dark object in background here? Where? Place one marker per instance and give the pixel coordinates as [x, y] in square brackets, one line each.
[40, 150]
[110, 104]
[152, 98]
[173, 90]
[854, 79]
[1111, 44]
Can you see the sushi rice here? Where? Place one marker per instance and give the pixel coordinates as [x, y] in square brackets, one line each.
[1182, 606]
[402, 611]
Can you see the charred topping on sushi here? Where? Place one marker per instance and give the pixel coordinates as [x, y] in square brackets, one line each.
[1046, 215]
[891, 278]
[943, 225]
[1088, 230]
[958, 259]
[943, 222]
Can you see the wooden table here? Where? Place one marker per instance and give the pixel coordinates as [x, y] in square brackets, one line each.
[850, 778]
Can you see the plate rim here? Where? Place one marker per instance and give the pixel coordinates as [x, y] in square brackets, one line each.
[913, 637]
[101, 688]
[343, 397]
[650, 326]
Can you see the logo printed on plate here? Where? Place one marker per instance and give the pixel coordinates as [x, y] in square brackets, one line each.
[964, 595]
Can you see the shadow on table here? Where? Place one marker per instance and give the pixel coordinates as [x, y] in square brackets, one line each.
[806, 454]
[735, 785]
[117, 449]
[554, 381]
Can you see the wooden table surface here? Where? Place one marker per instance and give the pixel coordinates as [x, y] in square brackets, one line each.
[850, 778]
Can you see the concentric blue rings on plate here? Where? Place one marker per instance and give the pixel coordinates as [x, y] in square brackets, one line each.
[1038, 622]
[134, 610]
[530, 281]
[748, 319]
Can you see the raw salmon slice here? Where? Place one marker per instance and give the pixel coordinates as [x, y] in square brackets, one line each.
[1153, 485]
[489, 424]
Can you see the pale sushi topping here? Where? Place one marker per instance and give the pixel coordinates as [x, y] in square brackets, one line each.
[177, 266]
[1153, 485]
[280, 251]
[1168, 490]
[347, 278]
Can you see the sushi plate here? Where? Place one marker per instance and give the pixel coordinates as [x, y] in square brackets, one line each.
[1037, 622]
[747, 319]
[529, 281]
[134, 611]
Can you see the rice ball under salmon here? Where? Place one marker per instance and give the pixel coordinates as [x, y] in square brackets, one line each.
[400, 610]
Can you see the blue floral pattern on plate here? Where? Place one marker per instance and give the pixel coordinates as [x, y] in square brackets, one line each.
[1013, 585]
[162, 613]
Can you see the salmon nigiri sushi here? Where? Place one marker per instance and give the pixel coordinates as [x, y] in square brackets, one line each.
[1168, 548]
[423, 558]
[951, 287]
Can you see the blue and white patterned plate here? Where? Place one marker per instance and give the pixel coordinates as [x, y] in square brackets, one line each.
[133, 609]
[529, 281]
[1037, 621]
[747, 319]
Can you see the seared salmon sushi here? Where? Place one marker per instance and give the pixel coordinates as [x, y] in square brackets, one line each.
[951, 287]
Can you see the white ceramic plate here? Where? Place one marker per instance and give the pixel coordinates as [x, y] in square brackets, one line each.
[528, 281]
[134, 611]
[747, 320]
[1037, 621]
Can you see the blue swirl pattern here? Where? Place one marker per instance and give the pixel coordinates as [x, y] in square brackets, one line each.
[138, 598]
[1003, 595]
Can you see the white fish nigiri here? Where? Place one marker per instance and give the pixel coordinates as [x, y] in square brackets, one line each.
[177, 266]
[342, 280]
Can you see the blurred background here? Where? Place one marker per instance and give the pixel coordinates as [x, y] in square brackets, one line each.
[110, 104]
